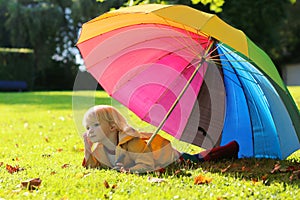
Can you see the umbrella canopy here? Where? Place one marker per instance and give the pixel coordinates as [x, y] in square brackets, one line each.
[196, 77]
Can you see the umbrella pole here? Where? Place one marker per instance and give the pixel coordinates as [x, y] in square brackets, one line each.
[179, 96]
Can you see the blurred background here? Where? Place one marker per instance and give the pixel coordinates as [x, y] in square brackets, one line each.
[38, 37]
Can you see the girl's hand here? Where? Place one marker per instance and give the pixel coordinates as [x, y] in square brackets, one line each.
[87, 146]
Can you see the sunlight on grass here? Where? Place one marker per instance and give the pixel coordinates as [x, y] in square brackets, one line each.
[40, 133]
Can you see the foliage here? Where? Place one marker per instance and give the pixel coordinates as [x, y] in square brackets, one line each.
[289, 34]
[27, 28]
[214, 5]
[7, 72]
[50, 28]
[34, 25]
[40, 144]
[265, 22]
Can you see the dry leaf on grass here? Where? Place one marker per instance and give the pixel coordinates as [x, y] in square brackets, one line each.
[226, 169]
[53, 172]
[106, 185]
[295, 175]
[12, 169]
[65, 166]
[279, 169]
[114, 186]
[200, 179]
[31, 184]
[276, 168]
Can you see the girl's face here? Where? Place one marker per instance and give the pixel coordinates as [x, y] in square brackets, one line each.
[98, 131]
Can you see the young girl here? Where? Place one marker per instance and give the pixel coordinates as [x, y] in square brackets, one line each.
[111, 143]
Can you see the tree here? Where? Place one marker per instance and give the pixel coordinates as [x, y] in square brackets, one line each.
[34, 25]
[260, 20]
[209, 5]
[47, 27]
[289, 34]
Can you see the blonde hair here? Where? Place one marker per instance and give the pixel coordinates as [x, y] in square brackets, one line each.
[109, 114]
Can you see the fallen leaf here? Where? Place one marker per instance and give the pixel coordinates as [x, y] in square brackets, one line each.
[65, 166]
[1, 163]
[15, 159]
[178, 172]
[32, 184]
[264, 177]
[114, 186]
[106, 185]
[246, 169]
[12, 169]
[60, 149]
[53, 172]
[155, 180]
[254, 180]
[225, 169]
[200, 179]
[288, 169]
[276, 168]
[297, 173]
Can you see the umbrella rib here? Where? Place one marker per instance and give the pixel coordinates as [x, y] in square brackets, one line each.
[215, 59]
[194, 51]
[238, 69]
[178, 98]
[220, 64]
[241, 69]
[187, 66]
[188, 48]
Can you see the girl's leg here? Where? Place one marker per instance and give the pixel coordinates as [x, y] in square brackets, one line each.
[228, 151]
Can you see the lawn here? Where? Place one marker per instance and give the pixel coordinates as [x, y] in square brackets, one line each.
[40, 140]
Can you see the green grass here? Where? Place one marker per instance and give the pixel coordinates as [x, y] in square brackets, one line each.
[40, 133]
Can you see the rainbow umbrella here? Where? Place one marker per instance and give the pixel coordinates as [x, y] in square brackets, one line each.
[193, 76]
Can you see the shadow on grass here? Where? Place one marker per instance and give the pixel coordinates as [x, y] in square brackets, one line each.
[265, 171]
